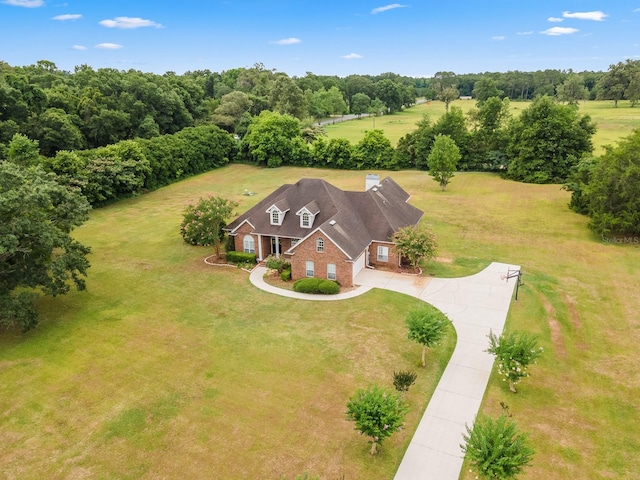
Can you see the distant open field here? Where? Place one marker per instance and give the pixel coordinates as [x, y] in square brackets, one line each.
[168, 368]
[612, 123]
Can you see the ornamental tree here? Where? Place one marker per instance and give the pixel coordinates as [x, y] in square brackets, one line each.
[415, 244]
[427, 326]
[37, 253]
[203, 223]
[496, 449]
[514, 352]
[443, 159]
[377, 414]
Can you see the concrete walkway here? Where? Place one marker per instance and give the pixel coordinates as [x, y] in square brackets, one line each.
[476, 305]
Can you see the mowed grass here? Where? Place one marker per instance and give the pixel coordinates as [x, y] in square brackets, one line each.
[167, 368]
[612, 123]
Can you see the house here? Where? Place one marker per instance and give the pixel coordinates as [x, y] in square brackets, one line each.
[327, 232]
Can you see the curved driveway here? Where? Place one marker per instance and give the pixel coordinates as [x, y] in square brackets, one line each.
[476, 305]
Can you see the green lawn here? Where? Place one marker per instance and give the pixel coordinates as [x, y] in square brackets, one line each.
[612, 123]
[168, 368]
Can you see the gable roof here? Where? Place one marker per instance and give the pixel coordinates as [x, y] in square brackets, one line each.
[352, 220]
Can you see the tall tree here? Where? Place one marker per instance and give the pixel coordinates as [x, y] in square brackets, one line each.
[443, 159]
[37, 252]
[572, 90]
[271, 137]
[486, 88]
[203, 223]
[546, 141]
[360, 103]
[613, 84]
[287, 98]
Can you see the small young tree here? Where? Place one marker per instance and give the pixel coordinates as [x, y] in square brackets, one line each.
[514, 353]
[427, 326]
[415, 244]
[203, 223]
[496, 449]
[376, 413]
[402, 380]
[443, 159]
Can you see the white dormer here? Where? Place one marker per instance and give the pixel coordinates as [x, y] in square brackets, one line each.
[308, 214]
[277, 211]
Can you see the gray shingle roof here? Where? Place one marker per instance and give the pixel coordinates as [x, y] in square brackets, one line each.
[360, 217]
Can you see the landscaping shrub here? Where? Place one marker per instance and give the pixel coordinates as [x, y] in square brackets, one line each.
[286, 275]
[241, 257]
[316, 285]
[277, 263]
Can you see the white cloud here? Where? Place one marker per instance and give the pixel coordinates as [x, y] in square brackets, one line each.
[109, 46]
[129, 23]
[556, 31]
[79, 47]
[554, 19]
[24, 3]
[67, 16]
[637, 10]
[352, 56]
[498, 37]
[387, 7]
[526, 33]
[287, 41]
[597, 16]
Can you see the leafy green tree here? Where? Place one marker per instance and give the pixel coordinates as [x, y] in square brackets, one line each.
[415, 244]
[515, 353]
[287, 98]
[495, 448]
[360, 103]
[443, 159]
[486, 88]
[454, 124]
[373, 151]
[270, 138]
[57, 130]
[413, 149]
[378, 414]
[231, 110]
[426, 326]
[23, 151]
[203, 223]
[572, 90]
[37, 253]
[489, 136]
[546, 141]
[390, 93]
[612, 190]
[613, 84]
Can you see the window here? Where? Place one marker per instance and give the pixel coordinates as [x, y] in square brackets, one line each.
[275, 217]
[331, 271]
[320, 245]
[309, 267]
[383, 254]
[249, 244]
[305, 221]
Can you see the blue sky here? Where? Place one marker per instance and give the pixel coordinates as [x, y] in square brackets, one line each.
[327, 37]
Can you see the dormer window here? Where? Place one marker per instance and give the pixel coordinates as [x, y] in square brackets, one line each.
[308, 214]
[275, 217]
[305, 220]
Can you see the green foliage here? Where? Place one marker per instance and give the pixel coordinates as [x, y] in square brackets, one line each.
[316, 285]
[271, 137]
[373, 151]
[415, 244]
[609, 189]
[402, 380]
[37, 252]
[203, 223]
[241, 257]
[23, 151]
[443, 159]
[496, 449]
[546, 141]
[285, 275]
[277, 263]
[427, 326]
[378, 414]
[515, 353]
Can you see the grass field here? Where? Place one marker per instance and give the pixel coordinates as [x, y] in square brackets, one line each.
[612, 123]
[167, 368]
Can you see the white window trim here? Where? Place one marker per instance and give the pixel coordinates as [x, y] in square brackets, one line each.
[245, 243]
[331, 271]
[320, 245]
[309, 218]
[383, 253]
[309, 263]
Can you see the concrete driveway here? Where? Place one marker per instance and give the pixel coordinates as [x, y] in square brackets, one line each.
[476, 305]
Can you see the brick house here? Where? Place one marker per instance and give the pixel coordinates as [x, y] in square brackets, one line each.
[324, 231]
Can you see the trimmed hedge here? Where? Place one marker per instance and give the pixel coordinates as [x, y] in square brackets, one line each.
[316, 285]
[241, 257]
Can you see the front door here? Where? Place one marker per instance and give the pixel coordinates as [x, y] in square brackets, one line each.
[276, 246]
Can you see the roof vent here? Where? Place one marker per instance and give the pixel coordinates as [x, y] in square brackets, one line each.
[375, 189]
[332, 223]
